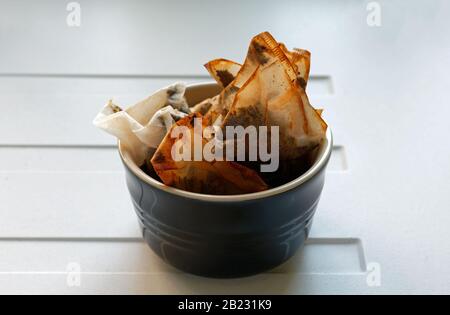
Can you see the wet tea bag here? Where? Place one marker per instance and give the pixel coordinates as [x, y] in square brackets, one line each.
[221, 104]
[186, 172]
[263, 50]
[272, 96]
[142, 126]
[225, 71]
[269, 89]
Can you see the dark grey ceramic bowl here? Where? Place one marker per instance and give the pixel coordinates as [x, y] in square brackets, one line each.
[226, 236]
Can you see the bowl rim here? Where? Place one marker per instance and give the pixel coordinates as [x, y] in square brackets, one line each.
[320, 162]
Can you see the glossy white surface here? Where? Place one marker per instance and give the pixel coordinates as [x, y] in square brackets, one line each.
[385, 93]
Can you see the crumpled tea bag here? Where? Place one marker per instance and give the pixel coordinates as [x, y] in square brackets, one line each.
[225, 71]
[201, 176]
[269, 89]
[263, 50]
[142, 126]
[273, 97]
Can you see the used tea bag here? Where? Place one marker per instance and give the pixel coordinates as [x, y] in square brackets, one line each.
[272, 98]
[263, 50]
[223, 70]
[269, 89]
[142, 126]
[201, 176]
[258, 51]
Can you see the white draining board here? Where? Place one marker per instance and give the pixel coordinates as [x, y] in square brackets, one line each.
[64, 208]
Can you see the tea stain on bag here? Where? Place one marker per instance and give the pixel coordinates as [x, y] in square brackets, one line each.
[139, 127]
[201, 176]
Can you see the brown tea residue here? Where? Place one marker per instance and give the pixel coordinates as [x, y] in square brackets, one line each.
[225, 77]
[246, 116]
[301, 82]
[159, 158]
[116, 108]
